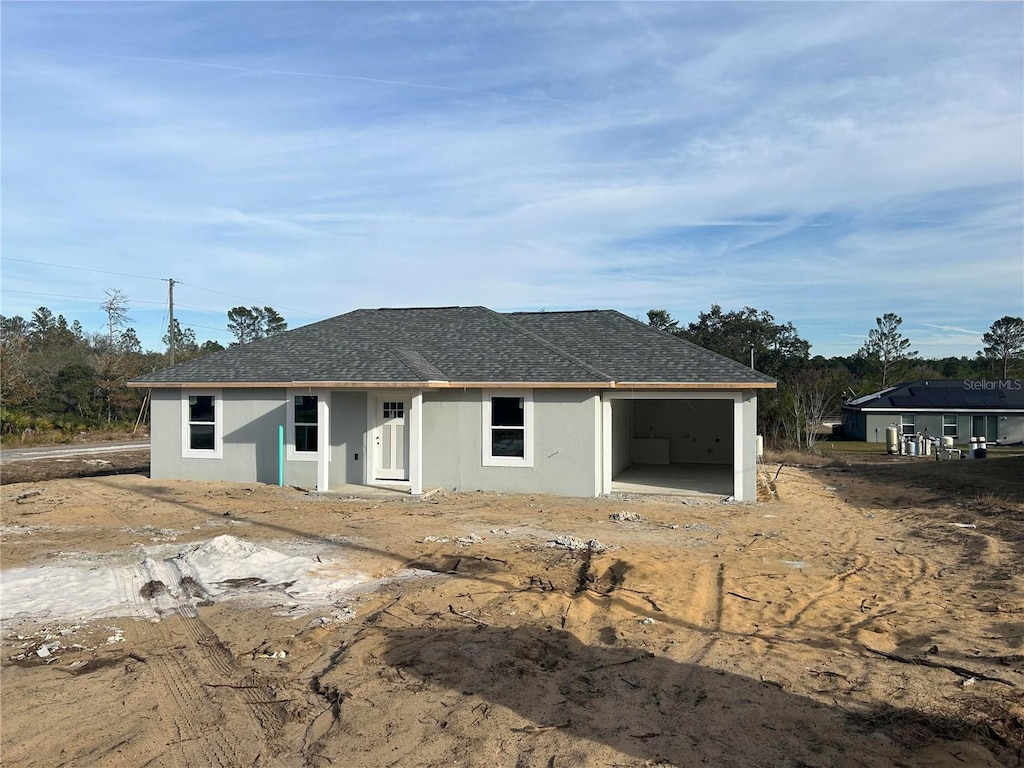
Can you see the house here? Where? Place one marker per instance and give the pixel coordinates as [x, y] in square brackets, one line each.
[958, 408]
[462, 397]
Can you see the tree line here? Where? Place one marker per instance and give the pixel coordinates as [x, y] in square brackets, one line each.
[811, 389]
[59, 379]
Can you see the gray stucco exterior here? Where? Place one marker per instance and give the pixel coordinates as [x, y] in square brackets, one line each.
[567, 435]
[567, 451]
[456, 397]
[960, 409]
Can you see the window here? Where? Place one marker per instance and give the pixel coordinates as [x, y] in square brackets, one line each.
[202, 423]
[304, 432]
[908, 424]
[508, 429]
[305, 418]
[949, 426]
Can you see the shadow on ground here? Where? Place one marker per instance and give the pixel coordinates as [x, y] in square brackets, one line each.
[636, 703]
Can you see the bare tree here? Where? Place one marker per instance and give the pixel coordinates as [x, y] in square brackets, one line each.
[814, 393]
[886, 346]
[116, 308]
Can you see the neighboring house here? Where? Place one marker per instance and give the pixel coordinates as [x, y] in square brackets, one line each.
[461, 397]
[956, 408]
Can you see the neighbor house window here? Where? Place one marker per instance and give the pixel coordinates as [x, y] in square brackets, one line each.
[908, 424]
[202, 421]
[303, 425]
[949, 425]
[507, 429]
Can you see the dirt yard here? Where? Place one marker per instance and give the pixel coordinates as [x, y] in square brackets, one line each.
[857, 619]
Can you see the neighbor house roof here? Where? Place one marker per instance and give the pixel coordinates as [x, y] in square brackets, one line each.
[461, 346]
[945, 395]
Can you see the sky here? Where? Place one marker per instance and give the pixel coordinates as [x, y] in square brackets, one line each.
[826, 162]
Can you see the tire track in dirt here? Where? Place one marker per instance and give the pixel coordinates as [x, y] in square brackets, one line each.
[218, 739]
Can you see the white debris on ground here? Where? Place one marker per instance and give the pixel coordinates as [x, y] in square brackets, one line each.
[627, 517]
[468, 541]
[169, 578]
[572, 543]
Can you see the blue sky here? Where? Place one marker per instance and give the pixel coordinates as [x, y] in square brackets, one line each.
[827, 162]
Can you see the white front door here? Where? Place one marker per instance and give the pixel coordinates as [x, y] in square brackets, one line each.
[391, 443]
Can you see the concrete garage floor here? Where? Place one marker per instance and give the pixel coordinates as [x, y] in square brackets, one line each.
[675, 479]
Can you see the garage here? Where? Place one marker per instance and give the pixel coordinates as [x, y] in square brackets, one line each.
[681, 443]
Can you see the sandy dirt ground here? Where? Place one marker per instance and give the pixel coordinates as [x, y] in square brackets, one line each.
[846, 622]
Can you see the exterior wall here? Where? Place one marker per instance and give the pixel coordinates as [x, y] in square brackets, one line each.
[566, 444]
[250, 439]
[348, 437]
[745, 430]
[1010, 427]
[699, 431]
[250, 420]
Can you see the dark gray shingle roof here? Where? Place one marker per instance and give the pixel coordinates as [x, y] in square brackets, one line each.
[465, 344]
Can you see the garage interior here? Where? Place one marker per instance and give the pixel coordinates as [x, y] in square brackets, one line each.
[673, 447]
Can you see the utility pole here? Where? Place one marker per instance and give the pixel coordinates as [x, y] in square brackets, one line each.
[170, 314]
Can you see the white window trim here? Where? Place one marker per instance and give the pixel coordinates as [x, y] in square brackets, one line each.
[955, 425]
[485, 436]
[904, 423]
[290, 453]
[187, 452]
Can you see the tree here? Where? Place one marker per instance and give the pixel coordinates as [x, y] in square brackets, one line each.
[254, 323]
[776, 346]
[662, 320]
[886, 347]
[811, 395]
[1004, 345]
[185, 346]
[116, 308]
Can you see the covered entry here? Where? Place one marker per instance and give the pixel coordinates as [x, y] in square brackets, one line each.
[679, 443]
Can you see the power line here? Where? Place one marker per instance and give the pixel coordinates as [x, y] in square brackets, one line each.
[80, 269]
[68, 296]
[149, 277]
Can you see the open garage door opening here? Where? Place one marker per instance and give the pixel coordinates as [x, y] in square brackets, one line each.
[673, 446]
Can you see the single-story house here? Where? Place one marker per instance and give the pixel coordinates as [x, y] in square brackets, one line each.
[461, 397]
[957, 408]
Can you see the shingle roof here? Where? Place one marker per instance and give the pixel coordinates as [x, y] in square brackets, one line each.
[465, 344]
[939, 394]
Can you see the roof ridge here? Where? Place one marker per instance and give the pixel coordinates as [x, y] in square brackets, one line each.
[548, 345]
[416, 362]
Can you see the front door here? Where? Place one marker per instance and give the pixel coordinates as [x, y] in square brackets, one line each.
[391, 443]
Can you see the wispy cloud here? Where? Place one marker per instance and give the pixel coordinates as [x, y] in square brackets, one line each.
[826, 162]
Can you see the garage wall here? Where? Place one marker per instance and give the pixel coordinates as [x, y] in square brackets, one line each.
[622, 414]
[699, 431]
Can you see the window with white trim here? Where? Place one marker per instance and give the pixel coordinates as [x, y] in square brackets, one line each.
[303, 425]
[202, 424]
[507, 428]
[305, 417]
[908, 424]
[949, 425]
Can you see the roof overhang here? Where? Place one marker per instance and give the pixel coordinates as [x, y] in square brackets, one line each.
[634, 385]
